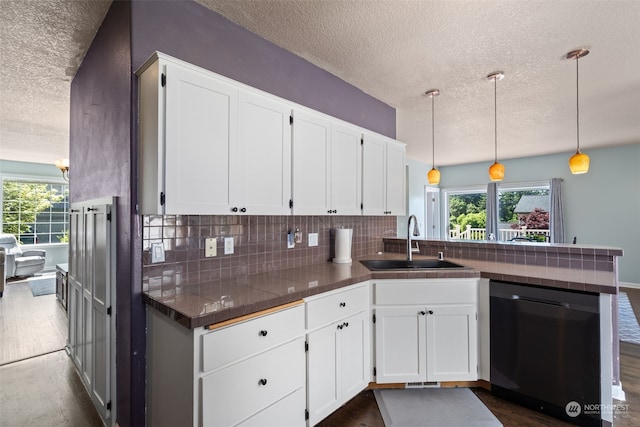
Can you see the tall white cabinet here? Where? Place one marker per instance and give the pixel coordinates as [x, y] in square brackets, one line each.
[90, 308]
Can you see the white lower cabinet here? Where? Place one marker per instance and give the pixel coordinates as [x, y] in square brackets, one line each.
[255, 373]
[338, 358]
[250, 373]
[426, 330]
[231, 395]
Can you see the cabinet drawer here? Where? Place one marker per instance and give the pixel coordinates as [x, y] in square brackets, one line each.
[336, 306]
[288, 411]
[434, 291]
[236, 393]
[241, 340]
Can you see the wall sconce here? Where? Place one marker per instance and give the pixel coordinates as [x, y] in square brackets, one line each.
[63, 165]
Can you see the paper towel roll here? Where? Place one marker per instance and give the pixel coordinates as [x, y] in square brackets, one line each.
[343, 245]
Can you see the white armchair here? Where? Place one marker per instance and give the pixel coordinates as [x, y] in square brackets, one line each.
[18, 262]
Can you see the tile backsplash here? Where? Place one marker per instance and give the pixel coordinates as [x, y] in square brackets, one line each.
[260, 244]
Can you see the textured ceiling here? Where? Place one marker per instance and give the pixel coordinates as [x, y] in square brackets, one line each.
[394, 50]
[42, 43]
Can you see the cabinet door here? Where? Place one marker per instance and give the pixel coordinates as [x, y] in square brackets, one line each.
[354, 355]
[401, 344]
[395, 183]
[345, 170]
[287, 412]
[310, 146]
[452, 343]
[260, 163]
[200, 126]
[374, 151]
[322, 373]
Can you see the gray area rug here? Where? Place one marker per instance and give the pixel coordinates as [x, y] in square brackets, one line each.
[422, 407]
[628, 327]
[42, 285]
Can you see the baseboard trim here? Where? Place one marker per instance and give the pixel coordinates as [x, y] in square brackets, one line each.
[629, 285]
[617, 392]
[445, 384]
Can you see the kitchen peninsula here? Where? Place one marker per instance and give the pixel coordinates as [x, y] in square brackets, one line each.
[192, 311]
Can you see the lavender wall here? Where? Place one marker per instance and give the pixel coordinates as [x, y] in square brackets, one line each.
[193, 33]
[101, 165]
[103, 131]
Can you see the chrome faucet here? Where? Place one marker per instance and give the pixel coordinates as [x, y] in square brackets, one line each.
[416, 232]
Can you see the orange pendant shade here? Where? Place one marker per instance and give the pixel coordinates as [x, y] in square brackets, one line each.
[433, 176]
[579, 163]
[496, 172]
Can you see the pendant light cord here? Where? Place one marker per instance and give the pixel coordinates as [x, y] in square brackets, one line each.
[577, 103]
[433, 132]
[495, 116]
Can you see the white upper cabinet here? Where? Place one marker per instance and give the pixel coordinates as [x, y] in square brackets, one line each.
[345, 170]
[383, 176]
[396, 178]
[260, 176]
[326, 166]
[213, 146]
[311, 147]
[200, 125]
[210, 146]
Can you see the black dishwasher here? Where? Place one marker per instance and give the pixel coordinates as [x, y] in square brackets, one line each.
[545, 350]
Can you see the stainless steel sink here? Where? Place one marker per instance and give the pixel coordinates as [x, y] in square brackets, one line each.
[401, 264]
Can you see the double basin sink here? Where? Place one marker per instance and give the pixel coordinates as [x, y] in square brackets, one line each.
[402, 264]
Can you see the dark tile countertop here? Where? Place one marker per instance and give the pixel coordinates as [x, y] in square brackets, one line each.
[217, 301]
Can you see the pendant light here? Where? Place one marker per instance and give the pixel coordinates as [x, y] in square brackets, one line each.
[496, 170]
[434, 174]
[579, 162]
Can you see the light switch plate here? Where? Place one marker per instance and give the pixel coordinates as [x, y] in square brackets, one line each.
[157, 252]
[210, 247]
[228, 245]
[313, 239]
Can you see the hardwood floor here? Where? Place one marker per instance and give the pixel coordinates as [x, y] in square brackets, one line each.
[29, 326]
[45, 391]
[39, 385]
[362, 411]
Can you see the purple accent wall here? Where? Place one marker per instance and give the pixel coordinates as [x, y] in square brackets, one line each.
[193, 33]
[103, 132]
[100, 147]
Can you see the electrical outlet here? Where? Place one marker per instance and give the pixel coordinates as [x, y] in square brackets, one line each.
[157, 252]
[210, 247]
[228, 245]
[313, 239]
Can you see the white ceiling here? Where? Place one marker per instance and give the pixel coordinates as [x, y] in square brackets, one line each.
[394, 50]
[42, 43]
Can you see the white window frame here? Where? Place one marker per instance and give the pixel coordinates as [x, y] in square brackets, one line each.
[30, 179]
[471, 189]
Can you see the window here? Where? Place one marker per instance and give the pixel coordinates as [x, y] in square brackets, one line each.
[523, 212]
[467, 213]
[35, 212]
